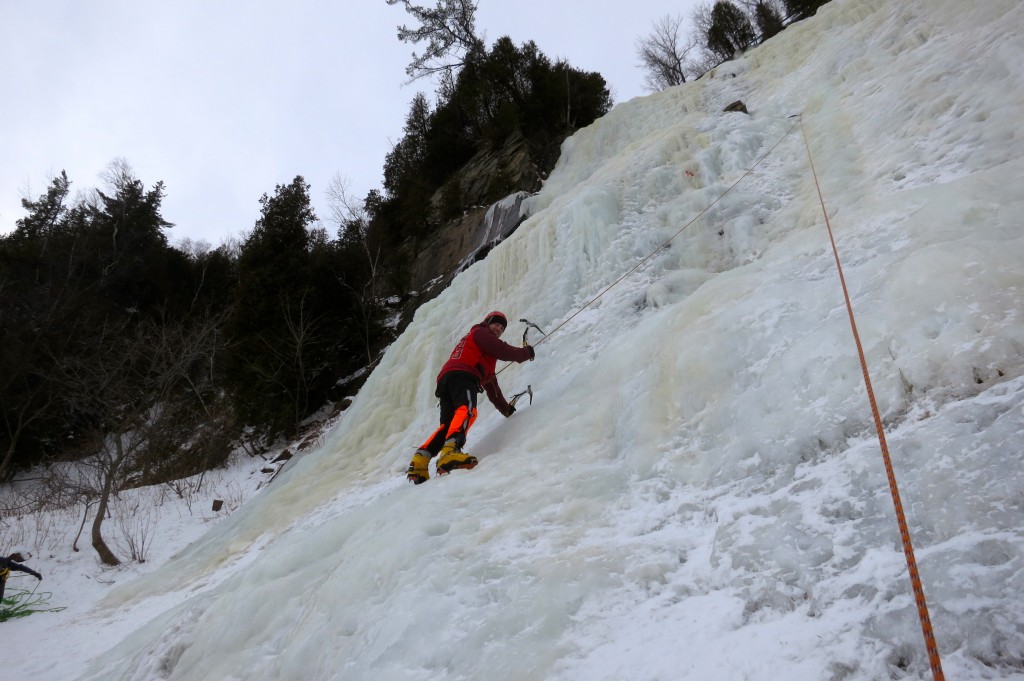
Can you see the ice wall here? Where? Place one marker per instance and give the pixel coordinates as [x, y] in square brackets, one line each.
[696, 492]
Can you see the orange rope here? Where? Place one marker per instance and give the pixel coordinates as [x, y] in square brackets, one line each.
[908, 548]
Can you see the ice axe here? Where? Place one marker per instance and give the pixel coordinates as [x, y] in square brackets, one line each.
[528, 391]
[528, 325]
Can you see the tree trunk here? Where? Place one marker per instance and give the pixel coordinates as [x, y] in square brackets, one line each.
[107, 556]
[6, 474]
[109, 473]
[85, 516]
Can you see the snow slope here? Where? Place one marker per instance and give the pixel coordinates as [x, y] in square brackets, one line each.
[696, 491]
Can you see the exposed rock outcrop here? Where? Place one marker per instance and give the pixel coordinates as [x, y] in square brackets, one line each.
[494, 183]
[460, 244]
[492, 174]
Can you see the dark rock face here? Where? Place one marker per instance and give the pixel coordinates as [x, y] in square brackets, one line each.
[460, 244]
[494, 183]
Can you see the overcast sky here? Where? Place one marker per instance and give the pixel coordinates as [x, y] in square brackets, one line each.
[224, 100]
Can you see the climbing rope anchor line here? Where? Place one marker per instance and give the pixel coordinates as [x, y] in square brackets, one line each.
[908, 548]
[667, 241]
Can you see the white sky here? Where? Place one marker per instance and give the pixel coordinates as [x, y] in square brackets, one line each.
[696, 492]
[222, 101]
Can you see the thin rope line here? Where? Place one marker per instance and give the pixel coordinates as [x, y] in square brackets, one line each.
[666, 242]
[908, 547]
[669, 240]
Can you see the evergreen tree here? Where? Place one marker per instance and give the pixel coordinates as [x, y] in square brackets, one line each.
[279, 343]
[801, 9]
[357, 264]
[138, 270]
[449, 29]
[45, 214]
[405, 171]
[769, 23]
[70, 271]
[507, 91]
[37, 301]
[730, 31]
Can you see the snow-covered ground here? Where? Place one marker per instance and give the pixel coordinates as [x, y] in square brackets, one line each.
[696, 491]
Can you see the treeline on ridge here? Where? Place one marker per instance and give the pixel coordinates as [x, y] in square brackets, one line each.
[506, 92]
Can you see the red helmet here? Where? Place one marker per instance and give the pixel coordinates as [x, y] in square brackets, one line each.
[496, 318]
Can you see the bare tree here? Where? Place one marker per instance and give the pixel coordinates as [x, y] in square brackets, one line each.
[37, 402]
[449, 29]
[290, 345]
[710, 21]
[704, 63]
[703, 59]
[137, 387]
[343, 207]
[700, 19]
[663, 54]
[353, 223]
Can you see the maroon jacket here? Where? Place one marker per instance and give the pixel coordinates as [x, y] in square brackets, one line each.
[477, 353]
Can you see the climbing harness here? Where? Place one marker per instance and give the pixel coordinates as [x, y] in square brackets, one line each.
[908, 548]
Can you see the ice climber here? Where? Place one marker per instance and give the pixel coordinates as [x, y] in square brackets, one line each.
[12, 562]
[469, 370]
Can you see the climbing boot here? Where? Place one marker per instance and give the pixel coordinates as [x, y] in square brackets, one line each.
[452, 457]
[419, 467]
